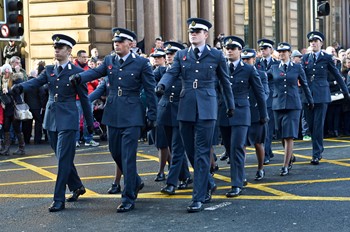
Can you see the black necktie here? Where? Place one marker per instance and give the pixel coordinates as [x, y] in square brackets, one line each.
[196, 52]
[265, 62]
[232, 68]
[121, 61]
[314, 56]
[285, 67]
[59, 69]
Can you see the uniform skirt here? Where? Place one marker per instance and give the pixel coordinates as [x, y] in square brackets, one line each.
[287, 123]
[256, 133]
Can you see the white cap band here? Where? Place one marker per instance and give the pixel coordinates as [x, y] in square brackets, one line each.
[63, 41]
[198, 26]
[317, 37]
[247, 55]
[124, 35]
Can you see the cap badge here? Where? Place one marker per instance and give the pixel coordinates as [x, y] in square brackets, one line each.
[312, 35]
[117, 32]
[57, 39]
[281, 46]
[193, 23]
[261, 43]
[229, 41]
[245, 53]
[169, 46]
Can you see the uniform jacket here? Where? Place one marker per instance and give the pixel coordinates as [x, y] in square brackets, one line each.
[61, 110]
[101, 90]
[244, 78]
[260, 65]
[123, 106]
[285, 86]
[317, 74]
[254, 110]
[168, 104]
[198, 97]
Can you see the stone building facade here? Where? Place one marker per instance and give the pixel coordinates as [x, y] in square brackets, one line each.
[90, 22]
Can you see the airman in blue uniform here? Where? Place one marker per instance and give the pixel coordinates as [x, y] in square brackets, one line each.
[317, 65]
[234, 130]
[286, 103]
[61, 117]
[200, 67]
[167, 119]
[257, 131]
[124, 114]
[158, 134]
[264, 64]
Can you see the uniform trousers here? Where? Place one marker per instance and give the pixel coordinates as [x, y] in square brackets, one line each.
[122, 144]
[236, 137]
[315, 118]
[197, 138]
[179, 166]
[63, 143]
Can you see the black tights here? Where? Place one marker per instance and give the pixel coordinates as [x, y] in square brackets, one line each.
[15, 123]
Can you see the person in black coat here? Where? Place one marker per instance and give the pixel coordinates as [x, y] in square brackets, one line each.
[33, 98]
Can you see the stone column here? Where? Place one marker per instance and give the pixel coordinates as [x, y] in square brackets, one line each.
[206, 12]
[152, 22]
[170, 20]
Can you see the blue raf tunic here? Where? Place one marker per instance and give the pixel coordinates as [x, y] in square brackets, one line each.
[124, 113]
[61, 120]
[198, 107]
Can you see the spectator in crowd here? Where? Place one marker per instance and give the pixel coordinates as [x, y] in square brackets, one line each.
[82, 62]
[8, 79]
[134, 47]
[158, 44]
[15, 62]
[33, 98]
[10, 50]
[94, 54]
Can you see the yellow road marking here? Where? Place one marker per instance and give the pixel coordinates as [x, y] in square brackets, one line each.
[44, 173]
[256, 186]
[216, 197]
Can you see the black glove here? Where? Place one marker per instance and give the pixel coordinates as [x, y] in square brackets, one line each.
[263, 120]
[150, 124]
[346, 97]
[75, 79]
[230, 112]
[90, 129]
[17, 89]
[310, 106]
[160, 90]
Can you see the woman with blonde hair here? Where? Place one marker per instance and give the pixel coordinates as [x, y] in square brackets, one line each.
[8, 100]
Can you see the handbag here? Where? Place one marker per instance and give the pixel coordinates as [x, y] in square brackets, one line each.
[337, 96]
[5, 99]
[22, 111]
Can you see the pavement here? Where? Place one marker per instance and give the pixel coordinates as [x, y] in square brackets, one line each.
[310, 198]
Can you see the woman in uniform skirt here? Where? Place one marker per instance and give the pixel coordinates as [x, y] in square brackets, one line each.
[286, 103]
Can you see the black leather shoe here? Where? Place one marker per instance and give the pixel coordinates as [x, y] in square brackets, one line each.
[160, 177]
[235, 192]
[168, 189]
[196, 206]
[209, 193]
[114, 189]
[315, 161]
[184, 184]
[139, 188]
[266, 161]
[224, 156]
[214, 169]
[76, 193]
[245, 182]
[56, 206]
[260, 174]
[284, 171]
[125, 207]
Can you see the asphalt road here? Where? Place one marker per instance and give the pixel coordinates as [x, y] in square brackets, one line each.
[311, 198]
